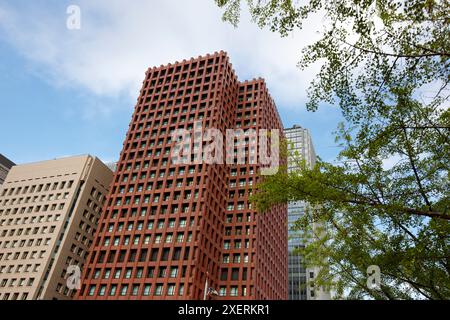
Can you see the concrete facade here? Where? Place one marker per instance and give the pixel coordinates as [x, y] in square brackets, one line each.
[48, 215]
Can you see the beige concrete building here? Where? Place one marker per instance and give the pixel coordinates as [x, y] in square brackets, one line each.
[5, 166]
[48, 215]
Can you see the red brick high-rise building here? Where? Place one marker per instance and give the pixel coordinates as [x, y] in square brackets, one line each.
[169, 229]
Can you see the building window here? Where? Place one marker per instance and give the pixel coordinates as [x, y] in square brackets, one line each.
[180, 237]
[123, 290]
[173, 272]
[147, 289]
[171, 290]
[158, 289]
[135, 290]
[112, 292]
[91, 290]
[181, 290]
[102, 290]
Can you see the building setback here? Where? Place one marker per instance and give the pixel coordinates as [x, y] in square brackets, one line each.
[168, 230]
[300, 142]
[5, 166]
[48, 215]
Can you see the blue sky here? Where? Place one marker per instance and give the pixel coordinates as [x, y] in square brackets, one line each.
[67, 92]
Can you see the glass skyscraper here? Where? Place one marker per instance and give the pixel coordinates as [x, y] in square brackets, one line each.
[300, 141]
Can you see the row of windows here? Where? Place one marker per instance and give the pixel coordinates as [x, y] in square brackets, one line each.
[160, 224]
[172, 172]
[173, 74]
[239, 206]
[22, 243]
[135, 290]
[168, 184]
[140, 272]
[182, 90]
[235, 258]
[42, 198]
[14, 296]
[186, 195]
[165, 110]
[157, 238]
[163, 210]
[194, 108]
[143, 142]
[31, 220]
[161, 78]
[37, 188]
[133, 255]
[20, 268]
[182, 96]
[167, 151]
[97, 195]
[31, 209]
[153, 210]
[235, 274]
[242, 183]
[26, 255]
[237, 244]
[173, 108]
[175, 111]
[65, 290]
[78, 251]
[240, 194]
[86, 227]
[171, 117]
[17, 282]
[237, 231]
[178, 68]
[234, 291]
[164, 81]
[230, 218]
[83, 239]
[242, 171]
[29, 231]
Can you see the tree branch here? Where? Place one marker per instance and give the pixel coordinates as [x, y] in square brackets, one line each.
[416, 174]
[398, 55]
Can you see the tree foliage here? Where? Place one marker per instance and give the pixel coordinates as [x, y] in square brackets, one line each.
[385, 201]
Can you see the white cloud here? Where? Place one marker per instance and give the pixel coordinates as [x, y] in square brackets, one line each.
[120, 39]
[392, 161]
